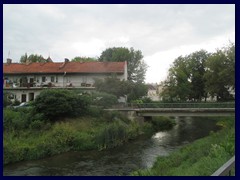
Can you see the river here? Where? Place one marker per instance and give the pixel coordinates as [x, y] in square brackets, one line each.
[136, 154]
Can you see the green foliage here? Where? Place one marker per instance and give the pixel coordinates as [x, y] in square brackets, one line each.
[83, 59]
[43, 139]
[147, 100]
[13, 120]
[136, 66]
[112, 85]
[200, 74]
[201, 158]
[16, 102]
[111, 116]
[119, 88]
[112, 135]
[103, 99]
[138, 91]
[220, 74]
[95, 111]
[34, 58]
[60, 103]
[6, 100]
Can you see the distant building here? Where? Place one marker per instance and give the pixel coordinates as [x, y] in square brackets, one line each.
[154, 91]
[26, 81]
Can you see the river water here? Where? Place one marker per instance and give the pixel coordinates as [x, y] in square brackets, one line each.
[134, 155]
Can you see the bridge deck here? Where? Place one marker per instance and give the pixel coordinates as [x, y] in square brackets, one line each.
[179, 111]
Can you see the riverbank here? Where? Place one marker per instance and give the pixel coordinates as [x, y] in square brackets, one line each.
[201, 158]
[78, 134]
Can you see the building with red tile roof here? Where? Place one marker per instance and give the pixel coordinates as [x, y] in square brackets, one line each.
[25, 81]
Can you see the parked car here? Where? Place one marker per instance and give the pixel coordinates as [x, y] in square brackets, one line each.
[22, 105]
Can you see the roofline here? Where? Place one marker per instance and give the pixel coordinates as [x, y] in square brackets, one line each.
[29, 73]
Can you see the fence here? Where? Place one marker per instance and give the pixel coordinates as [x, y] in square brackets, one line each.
[183, 105]
[226, 169]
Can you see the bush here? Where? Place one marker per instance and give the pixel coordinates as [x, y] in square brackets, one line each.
[111, 116]
[104, 99]
[16, 102]
[95, 111]
[13, 120]
[37, 124]
[61, 103]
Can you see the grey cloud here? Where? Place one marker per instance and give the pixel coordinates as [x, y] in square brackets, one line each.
[150, 28]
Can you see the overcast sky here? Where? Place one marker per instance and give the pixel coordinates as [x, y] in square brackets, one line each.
[162, 32]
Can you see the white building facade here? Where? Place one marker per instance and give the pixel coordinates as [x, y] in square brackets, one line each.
[26, 81]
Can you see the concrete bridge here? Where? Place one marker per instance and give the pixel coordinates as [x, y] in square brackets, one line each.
[179, 109]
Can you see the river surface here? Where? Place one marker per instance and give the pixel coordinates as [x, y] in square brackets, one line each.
[134, 155]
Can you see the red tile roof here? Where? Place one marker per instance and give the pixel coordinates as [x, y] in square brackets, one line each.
[69, 67]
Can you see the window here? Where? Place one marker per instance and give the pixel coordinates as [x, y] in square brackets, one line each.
[56, 79]
[52, 78]
[43, 79]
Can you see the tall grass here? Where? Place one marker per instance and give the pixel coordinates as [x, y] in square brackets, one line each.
[84, 133]
[29, 137]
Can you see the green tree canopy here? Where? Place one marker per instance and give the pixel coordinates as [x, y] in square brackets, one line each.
[33, 58]
[136, 66]
[199, 74]
[220, 73]
[112, 85]
[83, 59]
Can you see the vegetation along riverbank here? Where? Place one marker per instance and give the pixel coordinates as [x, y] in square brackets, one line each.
[201, 158]
[37, 132]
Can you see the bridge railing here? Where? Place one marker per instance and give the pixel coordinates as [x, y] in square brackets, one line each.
[183, 105]
[226, 169]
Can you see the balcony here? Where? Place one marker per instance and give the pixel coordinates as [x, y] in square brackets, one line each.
[36, 85]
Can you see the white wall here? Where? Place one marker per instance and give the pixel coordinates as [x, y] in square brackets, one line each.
[18, 93]
[62, 80]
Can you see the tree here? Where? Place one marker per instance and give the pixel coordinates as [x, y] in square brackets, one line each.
[136, 65]
[112, 85]
[24, 58]
[34, 58]
[103, 99]
[196, 65]
[185, 79]
[83, 59]
[200, 74]
[220, 73]
[55, 104]
[178, 81]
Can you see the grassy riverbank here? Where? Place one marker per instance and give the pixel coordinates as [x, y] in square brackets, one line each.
[201, 158]
[39, 139]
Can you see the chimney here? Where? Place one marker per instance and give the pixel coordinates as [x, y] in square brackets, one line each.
[9, 61]
[66, 60]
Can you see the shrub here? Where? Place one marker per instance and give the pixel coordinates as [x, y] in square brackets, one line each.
[13, 120]
[95, 111]
[104, 99]
[37, 124]
[61, 103]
